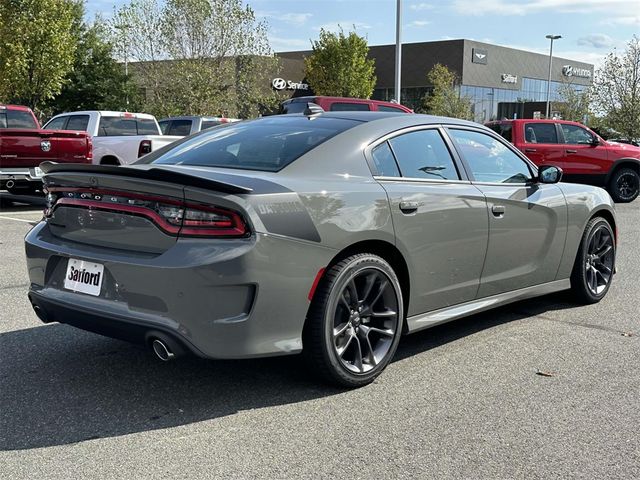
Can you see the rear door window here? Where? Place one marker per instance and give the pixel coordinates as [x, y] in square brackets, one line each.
[349, 107]
[540, 133]
[423, 154]
[78, 122]
[58, 123]
[164, 126]
[502, 129]
[384, 161]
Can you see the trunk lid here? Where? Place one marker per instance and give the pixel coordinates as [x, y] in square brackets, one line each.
[140, 209]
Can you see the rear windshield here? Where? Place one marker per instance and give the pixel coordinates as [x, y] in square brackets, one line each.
[503, 129]
[210, 123]
[294, 107]
[267, 144]
[125, 126]
[17, 119]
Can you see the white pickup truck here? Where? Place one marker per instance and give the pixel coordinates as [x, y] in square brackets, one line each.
[119, 138]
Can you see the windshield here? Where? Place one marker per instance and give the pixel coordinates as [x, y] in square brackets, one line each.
[267, 144]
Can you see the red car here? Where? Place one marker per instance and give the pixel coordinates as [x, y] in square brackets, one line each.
[583, 155]
[24, 146]
[337, 104]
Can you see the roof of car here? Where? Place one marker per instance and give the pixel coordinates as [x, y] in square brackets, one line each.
[108, 113]
[15, 107]
[193, 117]
[418, 119]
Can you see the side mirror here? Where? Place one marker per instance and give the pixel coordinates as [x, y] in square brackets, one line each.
[595, 142]
[549, 174]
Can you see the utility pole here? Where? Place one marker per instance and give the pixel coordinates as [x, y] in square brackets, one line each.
[552, 38]
[124, 28]
[398, 50]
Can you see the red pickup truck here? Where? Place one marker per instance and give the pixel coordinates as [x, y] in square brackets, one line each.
[583, 155]
[24, 146]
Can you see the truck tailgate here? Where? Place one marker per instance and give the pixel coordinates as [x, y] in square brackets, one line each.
[29, 148]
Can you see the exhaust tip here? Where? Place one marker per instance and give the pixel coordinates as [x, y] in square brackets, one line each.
[162, 350]
[42, 315]
[10, 183]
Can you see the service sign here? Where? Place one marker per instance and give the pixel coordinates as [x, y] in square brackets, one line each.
[282, 84]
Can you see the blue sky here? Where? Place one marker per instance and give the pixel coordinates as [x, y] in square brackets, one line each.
[590, 28]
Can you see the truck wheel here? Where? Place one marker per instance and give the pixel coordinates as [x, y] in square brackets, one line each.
[624, 185]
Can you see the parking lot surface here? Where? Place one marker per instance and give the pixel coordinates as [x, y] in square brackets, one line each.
[463, 400]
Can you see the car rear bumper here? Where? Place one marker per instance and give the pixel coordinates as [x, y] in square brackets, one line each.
[19, 175]
[232, 298]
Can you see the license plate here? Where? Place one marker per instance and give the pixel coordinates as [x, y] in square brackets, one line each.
[37, 172]
[85, 277]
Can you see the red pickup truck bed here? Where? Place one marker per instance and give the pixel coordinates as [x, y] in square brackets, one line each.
[22, 150]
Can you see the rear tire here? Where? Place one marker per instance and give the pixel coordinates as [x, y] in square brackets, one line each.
[624, 185]
[595, 263]
[355, 321]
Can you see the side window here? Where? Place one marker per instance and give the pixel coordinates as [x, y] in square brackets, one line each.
[78, 122]
[423, 154]
[209, 124]
[180, 127]
[20, 119]
[489, 159]
[385, 108]
[576, 135]
[3, 120]
[384, 161]
[57, 123]
[116, 126]
[349, 107]
[540, 133]
[164, 126]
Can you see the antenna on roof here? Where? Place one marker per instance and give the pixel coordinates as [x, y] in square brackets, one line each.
[312, 109]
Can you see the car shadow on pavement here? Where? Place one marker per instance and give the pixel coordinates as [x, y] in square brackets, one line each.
[60, 385]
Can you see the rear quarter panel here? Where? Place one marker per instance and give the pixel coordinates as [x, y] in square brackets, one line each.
[583, 203]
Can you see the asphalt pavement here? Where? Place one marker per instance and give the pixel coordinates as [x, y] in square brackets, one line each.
[463, 400]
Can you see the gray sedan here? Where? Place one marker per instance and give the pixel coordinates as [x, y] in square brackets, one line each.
[330, 234]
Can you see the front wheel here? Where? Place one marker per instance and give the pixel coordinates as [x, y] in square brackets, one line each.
[595, 262]
[355, 321]
[624, 185]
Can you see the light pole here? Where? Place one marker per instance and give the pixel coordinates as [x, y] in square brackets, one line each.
[398, 48]
[124, 27]
[552, 38]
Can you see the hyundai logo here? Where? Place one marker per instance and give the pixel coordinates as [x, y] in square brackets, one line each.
[279, 83]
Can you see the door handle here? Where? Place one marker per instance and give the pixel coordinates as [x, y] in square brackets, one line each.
[572, 151]
[408, 207]
[530, 150]
[498, 211]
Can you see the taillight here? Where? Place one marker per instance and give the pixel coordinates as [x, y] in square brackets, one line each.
[144, 148]
[171, 216]
[89, 149]
[212, 221]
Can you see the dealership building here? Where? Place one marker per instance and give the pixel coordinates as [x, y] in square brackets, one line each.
[501, 82]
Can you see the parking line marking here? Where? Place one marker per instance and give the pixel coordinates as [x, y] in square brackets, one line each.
[19, 219]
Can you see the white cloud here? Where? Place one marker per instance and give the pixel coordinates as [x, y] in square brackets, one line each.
[626, 20]
[596, 40]
[280, 44]
[346, 25]
[509, 7]
[418, 23]
[291, 18]
[421, 6]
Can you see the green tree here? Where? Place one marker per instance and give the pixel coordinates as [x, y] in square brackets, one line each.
[98, 81]
[573, 104]
[37, 49]
[445, 99]
[616, 90]
[199, 56]
[339, 65]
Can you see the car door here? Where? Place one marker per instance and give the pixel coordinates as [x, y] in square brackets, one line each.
[440, 219]
[582, 155]
[541, 144]
[527, 220]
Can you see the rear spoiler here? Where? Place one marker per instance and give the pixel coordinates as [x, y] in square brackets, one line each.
[154, 173]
